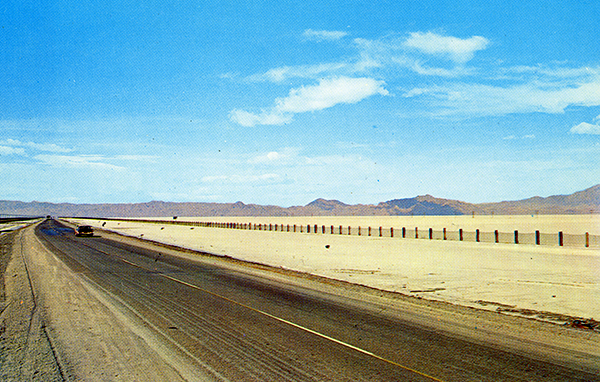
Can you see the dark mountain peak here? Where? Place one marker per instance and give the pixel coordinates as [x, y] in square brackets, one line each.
[399, 203]
[426, 205]
[589, 195]
[325, 204]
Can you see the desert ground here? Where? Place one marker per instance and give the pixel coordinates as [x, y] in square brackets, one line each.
[541, 281]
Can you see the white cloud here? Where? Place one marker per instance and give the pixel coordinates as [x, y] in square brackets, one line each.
[328, 93]
[512, 137]
[319, 36]
[85, 161]
[481, 100]
[285, 156]
[248, 119]
[7, 150]
[552, 72]
[302, 71]
[49, 147]
[389, 52]
[270, 157]
[585, 128]
[458, 50]
[440, 72]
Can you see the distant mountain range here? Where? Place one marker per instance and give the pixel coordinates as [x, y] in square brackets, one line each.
[582, 202]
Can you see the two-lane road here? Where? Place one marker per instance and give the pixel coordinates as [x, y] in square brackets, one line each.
[239, 327]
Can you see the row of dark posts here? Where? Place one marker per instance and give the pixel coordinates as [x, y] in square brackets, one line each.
[315, 229]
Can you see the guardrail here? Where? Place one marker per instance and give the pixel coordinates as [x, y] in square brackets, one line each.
[559, 239]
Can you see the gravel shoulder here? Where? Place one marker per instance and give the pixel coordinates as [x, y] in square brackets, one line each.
[26, 351]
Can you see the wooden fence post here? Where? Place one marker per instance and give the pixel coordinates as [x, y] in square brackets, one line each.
[560, 239]
[497, 236]
[430, 233]
[445, 238]
[460, 234]
[537, 238]
[392, 232]
[340, 230]
[403, 232]
[477, 235]
[416, 232]
[516, 237]
[380, 231]
[587, 239]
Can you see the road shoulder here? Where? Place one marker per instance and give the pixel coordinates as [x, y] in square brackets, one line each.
[26, 352]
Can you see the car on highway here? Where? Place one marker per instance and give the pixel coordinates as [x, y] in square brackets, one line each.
[84, 230]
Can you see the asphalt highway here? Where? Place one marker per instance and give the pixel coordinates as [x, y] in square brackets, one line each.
[239, 327]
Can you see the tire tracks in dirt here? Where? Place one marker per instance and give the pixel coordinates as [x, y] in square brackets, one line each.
[27, 352]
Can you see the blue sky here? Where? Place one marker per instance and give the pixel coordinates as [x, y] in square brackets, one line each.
[283, 102]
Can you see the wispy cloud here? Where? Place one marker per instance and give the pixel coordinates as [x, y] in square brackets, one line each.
[284, 156]
[48, 147]
[77, 161]
[485, 100]
[319, 36]
[248, 119]
[284, 73]
[140, 158]
[454, 87]
[456, 49]
[8, 150]
[387, 53]
[328, 93]
[586, 128]
[512, 137]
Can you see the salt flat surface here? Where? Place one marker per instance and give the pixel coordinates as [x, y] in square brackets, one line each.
[563, 280]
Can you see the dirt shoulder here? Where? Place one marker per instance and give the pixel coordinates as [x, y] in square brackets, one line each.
[26, 352]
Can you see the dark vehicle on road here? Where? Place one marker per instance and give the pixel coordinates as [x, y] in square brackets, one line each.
[84, 230]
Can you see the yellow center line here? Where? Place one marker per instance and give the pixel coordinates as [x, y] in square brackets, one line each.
[363, 351]
[345, 344]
